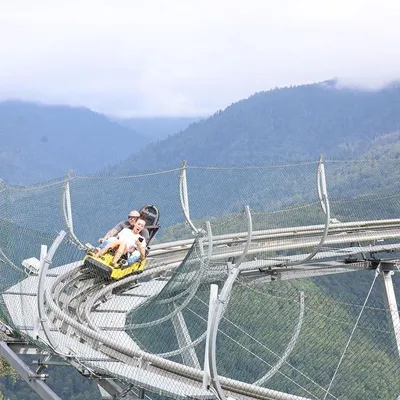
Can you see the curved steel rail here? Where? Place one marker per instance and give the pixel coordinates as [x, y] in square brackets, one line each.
[81, 324]
[92, 336]
[323, 196]
[289, 347]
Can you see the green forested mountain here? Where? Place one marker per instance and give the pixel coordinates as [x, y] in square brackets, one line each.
[293, 123]
[39, 142]
[280, 125]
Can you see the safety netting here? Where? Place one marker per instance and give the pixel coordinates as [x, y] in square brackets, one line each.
[307, 314]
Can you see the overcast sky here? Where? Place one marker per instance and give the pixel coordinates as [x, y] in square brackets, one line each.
[189, 57]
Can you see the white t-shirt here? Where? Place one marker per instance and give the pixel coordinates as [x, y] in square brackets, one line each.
[127, 236]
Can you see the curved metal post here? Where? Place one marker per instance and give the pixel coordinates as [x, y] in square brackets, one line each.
[213, 327]
[323, 197]
[211, 311]
[249, 235]
[190, 291]
[184, 340]
[289, 347]
[183, 196]
[45, 260]
[68, 202]
[390, 300]
[217, 307]
[67, 210]
[321, 184]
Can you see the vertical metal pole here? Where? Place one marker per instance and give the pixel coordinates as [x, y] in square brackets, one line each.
[249, 236]
[323, 198]
[215, 320]
[68, 203]
[321, 183]
[183, 195]
[67, 211]
[390, 299]
[45, 260]
[211, 315]
[216, 311]
[184, 187]
[40, 295]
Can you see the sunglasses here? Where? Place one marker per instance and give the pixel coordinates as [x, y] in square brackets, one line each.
[132, 217]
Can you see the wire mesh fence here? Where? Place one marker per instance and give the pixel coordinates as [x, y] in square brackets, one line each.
[316, 337]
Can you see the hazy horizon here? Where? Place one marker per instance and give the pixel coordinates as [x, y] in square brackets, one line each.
[184, 58]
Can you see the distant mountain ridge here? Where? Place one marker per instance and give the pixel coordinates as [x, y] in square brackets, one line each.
[157, 128]
[40, 142]
[292, 123]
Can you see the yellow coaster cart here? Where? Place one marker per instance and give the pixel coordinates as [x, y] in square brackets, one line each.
[101, 265]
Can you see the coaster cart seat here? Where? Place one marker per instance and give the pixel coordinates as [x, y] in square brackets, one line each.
[96, 266]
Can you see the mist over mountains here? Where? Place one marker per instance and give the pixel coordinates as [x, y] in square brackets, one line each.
[157, 128]
[40, 142]
[288, 124]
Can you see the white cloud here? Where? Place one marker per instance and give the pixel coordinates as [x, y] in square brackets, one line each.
[189, 57]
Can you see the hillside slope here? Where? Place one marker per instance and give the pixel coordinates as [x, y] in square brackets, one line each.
[157, 128]
[295, 123]
[41, 142]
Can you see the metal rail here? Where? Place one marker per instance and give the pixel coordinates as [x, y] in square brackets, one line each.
[70, 304]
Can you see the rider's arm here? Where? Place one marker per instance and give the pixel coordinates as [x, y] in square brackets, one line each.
[112, 232]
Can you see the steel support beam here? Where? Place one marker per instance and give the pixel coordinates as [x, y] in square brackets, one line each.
[35, 381]
[391, 302]
[189, 356]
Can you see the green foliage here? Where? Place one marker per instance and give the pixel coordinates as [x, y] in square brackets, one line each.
[65, 381]
[288, 124]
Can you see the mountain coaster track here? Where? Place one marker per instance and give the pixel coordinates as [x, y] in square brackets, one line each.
[73, 298]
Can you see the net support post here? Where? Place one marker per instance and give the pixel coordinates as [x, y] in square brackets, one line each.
[45, 261]
[211, 316]
[323, 198]
[189, 356]
[67, 210]
[289, 347]
[184, 199]
[217, 312]
[216, 309]
[386, 273]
